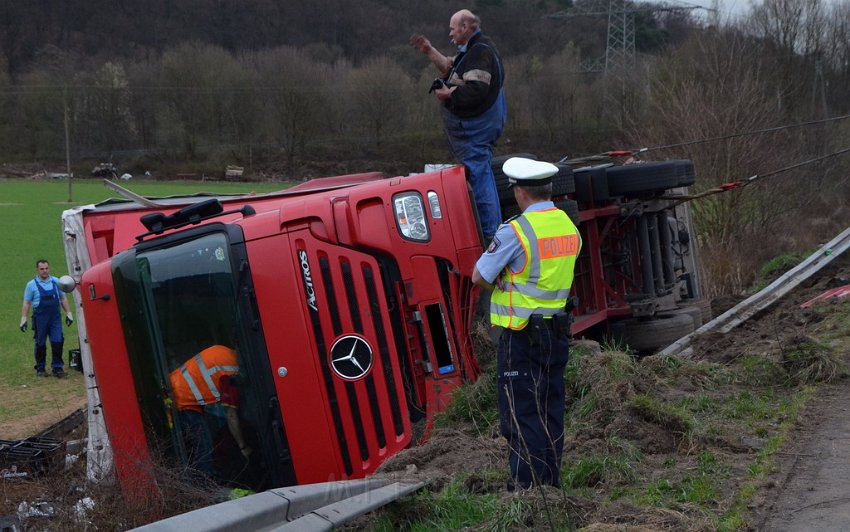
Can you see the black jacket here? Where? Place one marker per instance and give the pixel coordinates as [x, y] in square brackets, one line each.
[478, 75]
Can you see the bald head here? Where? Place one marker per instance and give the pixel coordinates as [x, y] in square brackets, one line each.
[468, 17]
[462, 25]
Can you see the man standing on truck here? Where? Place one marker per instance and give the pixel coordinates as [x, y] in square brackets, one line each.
[203, 381]
[42, 294]
[529, 267]
[471, 89]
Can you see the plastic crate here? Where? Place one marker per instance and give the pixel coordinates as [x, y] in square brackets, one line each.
[34, 456]
[54, 450]
[16, 460]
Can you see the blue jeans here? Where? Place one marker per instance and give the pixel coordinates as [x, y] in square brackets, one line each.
[471, 141]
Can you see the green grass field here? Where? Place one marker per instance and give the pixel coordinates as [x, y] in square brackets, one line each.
[31, 221]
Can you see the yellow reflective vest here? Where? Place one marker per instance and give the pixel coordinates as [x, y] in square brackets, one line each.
[551, 243]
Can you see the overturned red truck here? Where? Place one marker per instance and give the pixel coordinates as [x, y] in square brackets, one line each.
[349, 303]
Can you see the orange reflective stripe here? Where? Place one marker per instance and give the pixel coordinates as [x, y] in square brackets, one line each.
[558, 246]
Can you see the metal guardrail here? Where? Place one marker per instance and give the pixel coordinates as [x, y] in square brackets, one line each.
[769, 295]
[309, 507]
[342, 512]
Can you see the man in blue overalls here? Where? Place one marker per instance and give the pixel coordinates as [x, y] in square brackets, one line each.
[471, 90]
[43, 295]
[529, 267]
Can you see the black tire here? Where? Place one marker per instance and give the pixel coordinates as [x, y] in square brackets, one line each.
[497, 161]
[563, 182]
[693, 311]
[703, 304]
[568, 206]
[591, 185]
[652, 335]
[643, 178]
[687, 176]
[506, 197]
[571, 208]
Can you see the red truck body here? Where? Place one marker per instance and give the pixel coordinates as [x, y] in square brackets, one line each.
[311, 269]
[349, 300]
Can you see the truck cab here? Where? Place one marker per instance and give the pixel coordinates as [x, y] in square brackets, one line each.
[348, 302]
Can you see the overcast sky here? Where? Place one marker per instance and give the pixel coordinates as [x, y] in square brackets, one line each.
[733, 8]
[728, 9]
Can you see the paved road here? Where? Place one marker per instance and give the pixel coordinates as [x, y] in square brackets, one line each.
[815, 495]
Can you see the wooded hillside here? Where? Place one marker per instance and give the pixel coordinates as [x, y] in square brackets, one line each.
[300, 89]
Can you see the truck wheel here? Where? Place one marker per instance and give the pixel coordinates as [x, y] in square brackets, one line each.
[645, 177]
[591, 184]
[693, 311]
[563, 182]
[571, 208]
[658, 333]
[687, 176]
[703, 304]
[506, 197]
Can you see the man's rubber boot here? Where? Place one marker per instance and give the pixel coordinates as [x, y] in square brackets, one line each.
[56, 352]
[40, 358]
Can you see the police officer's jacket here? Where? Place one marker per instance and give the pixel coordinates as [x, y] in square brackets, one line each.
[551, 244]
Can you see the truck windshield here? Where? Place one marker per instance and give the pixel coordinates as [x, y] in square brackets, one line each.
[193, 361]
[193, 297]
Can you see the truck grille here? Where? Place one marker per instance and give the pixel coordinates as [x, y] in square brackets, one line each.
[368, 414]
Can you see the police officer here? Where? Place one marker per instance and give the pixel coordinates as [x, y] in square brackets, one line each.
[529, 267]
[43, 295]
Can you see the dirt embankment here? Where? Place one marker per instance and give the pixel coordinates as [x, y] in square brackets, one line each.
[661, 443]
[676, 444]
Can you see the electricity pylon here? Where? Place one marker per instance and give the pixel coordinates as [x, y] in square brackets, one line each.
[619, 59]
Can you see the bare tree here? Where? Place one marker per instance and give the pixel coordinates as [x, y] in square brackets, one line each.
[6, 129]
[145, 100]
[105, 111]
[296, 91]
[378, 95]
[793, 32]
[48, 95]
[716, 86]
[193, 83]
[553, 96]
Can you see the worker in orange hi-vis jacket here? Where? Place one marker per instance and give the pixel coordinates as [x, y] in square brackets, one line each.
[207, 379]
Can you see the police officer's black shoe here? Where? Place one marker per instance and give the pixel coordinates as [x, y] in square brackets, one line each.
[59, 373]
[40, 373]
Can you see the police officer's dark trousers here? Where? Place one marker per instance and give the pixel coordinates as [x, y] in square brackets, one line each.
[47, 321]
[530, 372]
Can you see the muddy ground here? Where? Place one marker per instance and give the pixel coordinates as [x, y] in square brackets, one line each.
[805, 489]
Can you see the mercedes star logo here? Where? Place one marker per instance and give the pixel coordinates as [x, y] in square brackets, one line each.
[351, 357]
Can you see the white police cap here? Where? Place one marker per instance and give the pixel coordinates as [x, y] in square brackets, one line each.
[528, 172]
